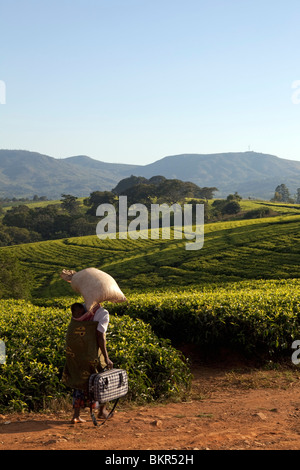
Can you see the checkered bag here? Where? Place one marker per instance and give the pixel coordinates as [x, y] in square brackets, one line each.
[106, 386]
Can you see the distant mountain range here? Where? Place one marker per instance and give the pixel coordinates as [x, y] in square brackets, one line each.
[251, 174]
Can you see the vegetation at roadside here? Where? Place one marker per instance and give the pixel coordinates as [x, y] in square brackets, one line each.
[260, 319]
[34, 337]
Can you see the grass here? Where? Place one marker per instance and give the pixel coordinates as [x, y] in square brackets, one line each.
[204, 415]
[282, 378]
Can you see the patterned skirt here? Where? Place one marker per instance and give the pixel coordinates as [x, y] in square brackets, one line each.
[81, 400]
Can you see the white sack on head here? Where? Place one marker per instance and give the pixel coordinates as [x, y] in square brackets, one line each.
[94, 286]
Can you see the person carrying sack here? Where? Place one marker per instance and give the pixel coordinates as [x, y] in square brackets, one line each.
[86, 354]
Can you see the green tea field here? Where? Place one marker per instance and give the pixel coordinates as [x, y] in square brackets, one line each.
[266, 248]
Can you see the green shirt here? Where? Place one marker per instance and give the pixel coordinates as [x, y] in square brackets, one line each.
[83, 356]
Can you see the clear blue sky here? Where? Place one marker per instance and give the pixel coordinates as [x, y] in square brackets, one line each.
[136, 80]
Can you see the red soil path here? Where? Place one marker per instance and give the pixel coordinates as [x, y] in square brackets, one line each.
[230, 407]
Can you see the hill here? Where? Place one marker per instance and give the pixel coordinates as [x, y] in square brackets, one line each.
[24, 173]
[251, 174]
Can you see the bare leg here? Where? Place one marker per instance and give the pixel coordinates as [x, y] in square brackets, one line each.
[103, 412]
[76, 418]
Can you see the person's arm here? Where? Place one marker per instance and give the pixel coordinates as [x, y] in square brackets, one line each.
[102, 345]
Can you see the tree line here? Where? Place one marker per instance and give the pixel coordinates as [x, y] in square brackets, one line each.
[70, 218]
[73, 218]
[25, 224]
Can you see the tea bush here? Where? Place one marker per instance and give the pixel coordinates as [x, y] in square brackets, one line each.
[35, 346]
[256, 317]
[260, 318]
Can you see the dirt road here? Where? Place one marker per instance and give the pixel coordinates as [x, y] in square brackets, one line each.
[230, 408]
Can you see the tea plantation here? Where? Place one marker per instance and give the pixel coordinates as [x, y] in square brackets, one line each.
[241, 290]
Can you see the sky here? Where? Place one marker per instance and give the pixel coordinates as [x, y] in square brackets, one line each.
[133, 81]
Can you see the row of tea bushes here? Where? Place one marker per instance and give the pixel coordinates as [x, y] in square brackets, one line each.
[34, 337]
[257, 317]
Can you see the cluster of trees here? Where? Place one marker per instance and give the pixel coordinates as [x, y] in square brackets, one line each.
[228, 206]
[159, 189]
[282, 194]
[23, 224]
[156, 190]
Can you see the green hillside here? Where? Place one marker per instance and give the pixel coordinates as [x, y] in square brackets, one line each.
[267, 248]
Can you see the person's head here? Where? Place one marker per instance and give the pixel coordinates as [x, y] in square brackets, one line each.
[77, 310]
